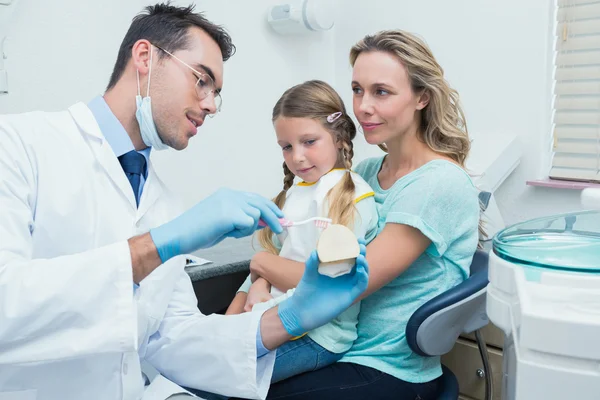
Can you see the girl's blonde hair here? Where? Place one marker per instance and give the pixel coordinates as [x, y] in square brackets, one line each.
[317, 100]
[442, 127]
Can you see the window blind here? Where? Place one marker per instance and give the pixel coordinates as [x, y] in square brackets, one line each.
[577, 92]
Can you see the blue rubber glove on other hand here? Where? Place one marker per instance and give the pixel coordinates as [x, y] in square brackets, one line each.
[226, 213]
[318, 298]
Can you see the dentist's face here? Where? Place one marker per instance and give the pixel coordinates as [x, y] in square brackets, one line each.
[384, 103]
[177, 110]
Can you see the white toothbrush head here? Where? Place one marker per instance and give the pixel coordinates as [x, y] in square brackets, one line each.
[322, 224]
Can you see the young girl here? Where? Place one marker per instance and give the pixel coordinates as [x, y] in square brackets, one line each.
[315, 134]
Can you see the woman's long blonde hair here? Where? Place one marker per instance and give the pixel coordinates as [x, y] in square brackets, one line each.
[317, 100]
[443, 126]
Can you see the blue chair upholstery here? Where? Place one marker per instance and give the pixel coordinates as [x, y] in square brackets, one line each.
[433, 329]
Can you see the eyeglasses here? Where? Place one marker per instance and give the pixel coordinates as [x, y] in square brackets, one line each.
[205, 85]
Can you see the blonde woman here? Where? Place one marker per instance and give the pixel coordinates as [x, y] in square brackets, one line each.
[315, 135]
[428, 221]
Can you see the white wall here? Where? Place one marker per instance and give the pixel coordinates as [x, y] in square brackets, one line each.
[497, 54]
[61, 52]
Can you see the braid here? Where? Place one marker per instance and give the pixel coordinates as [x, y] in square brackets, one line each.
[288, 179]
[265, 236]
[348, 153]
[341, 196]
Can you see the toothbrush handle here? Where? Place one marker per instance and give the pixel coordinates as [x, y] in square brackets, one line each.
[284, 222]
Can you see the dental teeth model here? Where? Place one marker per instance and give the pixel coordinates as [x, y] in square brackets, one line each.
[337, 249]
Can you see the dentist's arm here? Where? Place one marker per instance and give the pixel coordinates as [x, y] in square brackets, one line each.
[144, 256]
[272, 331]
[192, 338]
[226, 213]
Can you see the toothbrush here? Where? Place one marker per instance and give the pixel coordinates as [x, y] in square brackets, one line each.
[320, 222]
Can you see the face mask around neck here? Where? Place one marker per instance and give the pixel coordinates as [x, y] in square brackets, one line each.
[143, 114]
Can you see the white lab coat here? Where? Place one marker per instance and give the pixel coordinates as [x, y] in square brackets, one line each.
[71, 326]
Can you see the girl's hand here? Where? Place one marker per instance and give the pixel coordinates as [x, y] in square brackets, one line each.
[255, 264]
[259, 292]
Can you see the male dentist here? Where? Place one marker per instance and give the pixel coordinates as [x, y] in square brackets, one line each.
[92, 278]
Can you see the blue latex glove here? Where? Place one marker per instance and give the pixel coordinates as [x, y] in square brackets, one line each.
[226, 213]
[318, 298]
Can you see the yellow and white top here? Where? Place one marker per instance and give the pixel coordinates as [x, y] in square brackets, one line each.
[306, 200]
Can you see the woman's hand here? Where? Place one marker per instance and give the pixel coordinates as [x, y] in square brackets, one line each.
[259, 292]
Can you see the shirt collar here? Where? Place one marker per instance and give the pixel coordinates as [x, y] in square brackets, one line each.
[113, 131]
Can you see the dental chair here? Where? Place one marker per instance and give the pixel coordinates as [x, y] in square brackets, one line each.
[433, 329]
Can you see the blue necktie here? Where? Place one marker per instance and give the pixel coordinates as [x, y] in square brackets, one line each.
[134, 165]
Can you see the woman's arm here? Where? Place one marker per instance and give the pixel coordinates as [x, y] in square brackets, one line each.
[282, 273]
[388, 256]
[391, 253]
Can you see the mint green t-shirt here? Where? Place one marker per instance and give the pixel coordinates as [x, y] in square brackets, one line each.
[440, 200]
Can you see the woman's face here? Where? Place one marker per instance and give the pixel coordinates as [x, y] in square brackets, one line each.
[384, 103]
